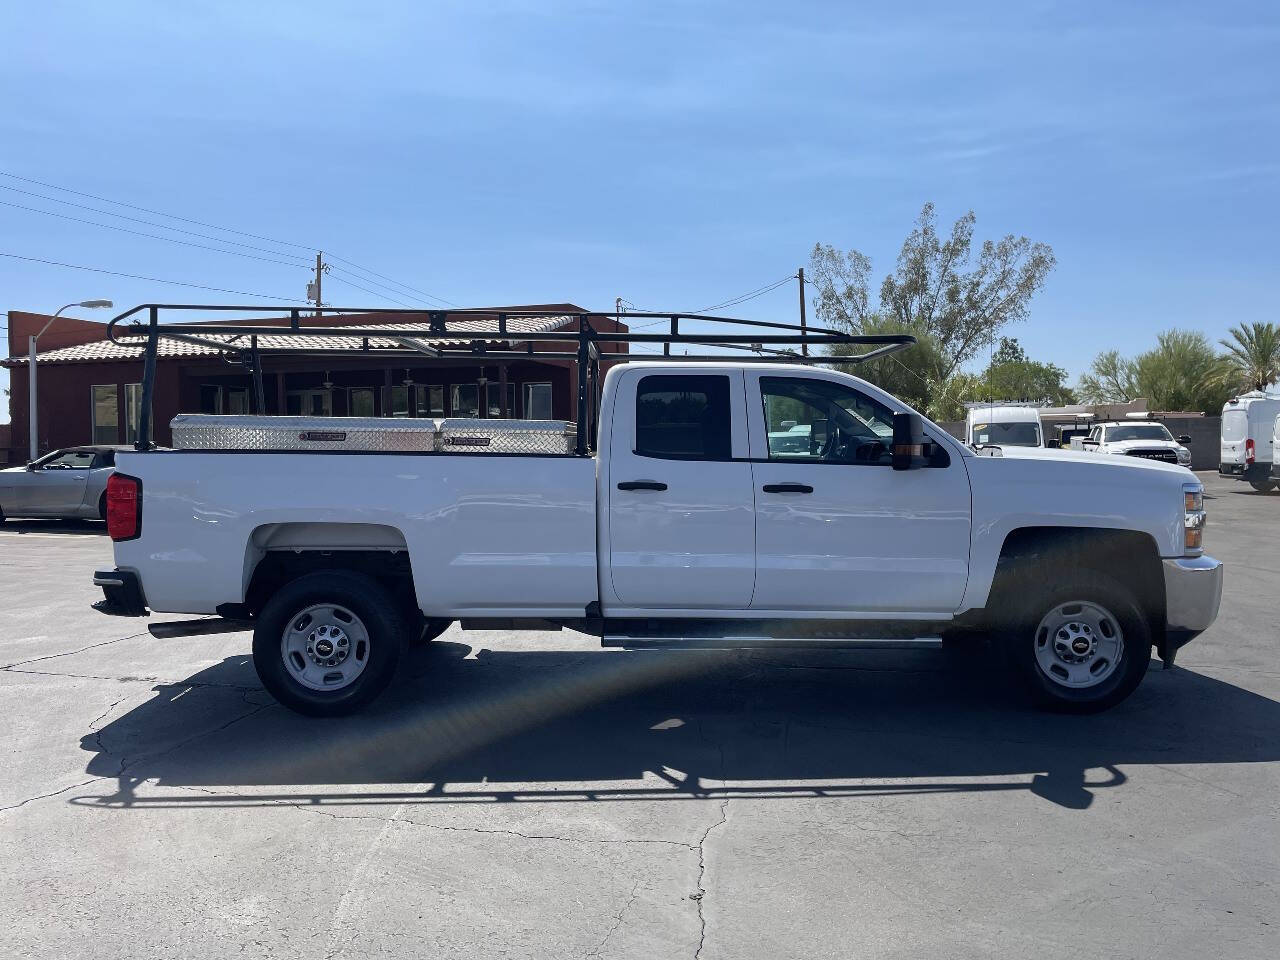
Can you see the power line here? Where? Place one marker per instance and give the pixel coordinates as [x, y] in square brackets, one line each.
[214, 226]
[152, 236]
[134, 276]
[157, 213]
[333, 270]
[396, 282]
[749, 295]
[150, 223]
[367, 290]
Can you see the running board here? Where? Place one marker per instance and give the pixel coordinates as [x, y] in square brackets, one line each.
[196, 628]
[629, 642]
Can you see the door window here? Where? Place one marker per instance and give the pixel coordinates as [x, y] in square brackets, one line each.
[106, 427]
[809, 420]
[466, 400]
[309, 403]
[430, 400]
[132, 411]
[537, 401]
[360, 402]
[684, 418]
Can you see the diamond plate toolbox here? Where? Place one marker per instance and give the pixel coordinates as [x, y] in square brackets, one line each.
[468, 435]
[196, 431]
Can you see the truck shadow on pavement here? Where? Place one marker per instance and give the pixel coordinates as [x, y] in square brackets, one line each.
[568, 726]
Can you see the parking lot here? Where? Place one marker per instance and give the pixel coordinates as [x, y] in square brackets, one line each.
[530, 795]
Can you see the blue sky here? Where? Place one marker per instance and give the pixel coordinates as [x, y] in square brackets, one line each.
[675, 154]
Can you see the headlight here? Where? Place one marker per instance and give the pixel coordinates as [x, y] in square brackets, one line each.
[1184, 456]
[1193, 517]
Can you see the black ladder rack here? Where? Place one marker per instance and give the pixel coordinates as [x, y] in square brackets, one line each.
[757, 341]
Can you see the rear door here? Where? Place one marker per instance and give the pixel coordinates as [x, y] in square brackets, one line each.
[1235, 430]
[837, 528]
[681, 505]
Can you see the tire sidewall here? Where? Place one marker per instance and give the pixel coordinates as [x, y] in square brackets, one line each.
[364, 597]
[1019, 642]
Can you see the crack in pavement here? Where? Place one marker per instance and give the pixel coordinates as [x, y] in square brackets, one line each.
[124, 767]
[157, 680]
[617, 920]
[702, 873]
[72, 653]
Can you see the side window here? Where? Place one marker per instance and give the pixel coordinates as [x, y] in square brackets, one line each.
[684, 418]
[810, 420]
[71, 460]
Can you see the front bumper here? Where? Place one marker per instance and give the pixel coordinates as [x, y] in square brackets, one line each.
[1193, 591]
[122, 591]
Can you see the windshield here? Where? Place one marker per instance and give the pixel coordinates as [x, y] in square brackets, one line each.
[1022, 434]
[1138, 431]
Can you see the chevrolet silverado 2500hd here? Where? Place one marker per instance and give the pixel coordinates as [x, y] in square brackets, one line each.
[726, 504]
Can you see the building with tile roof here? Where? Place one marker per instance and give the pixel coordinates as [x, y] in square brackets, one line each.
[90, 388]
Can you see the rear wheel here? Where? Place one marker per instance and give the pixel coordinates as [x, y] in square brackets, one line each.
[328, 643]
[1264, 486]
[102, 506]
[1081, 646]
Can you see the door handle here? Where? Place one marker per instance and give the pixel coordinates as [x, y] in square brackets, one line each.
[641, 485]
[787, 488]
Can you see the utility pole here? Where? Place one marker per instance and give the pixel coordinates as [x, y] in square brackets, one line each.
[804, 345]
[319, 274]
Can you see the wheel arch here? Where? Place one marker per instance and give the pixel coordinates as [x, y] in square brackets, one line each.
[1130, 557]
[278, 553]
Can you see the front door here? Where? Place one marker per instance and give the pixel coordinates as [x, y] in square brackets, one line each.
[56, 487]
[681, 504]
[837, 529]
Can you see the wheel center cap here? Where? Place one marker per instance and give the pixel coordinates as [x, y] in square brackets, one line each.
[1080, 646]
[324, 648]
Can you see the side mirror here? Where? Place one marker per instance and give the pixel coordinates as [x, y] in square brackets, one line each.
[1053, 443]
[911, 449]
[1185, 440]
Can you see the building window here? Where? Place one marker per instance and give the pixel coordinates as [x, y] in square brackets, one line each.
[309, 403]
[493, 393]
[217, 399]
[210, 398]
[537, 401]
[106, 420]
[132, 413]
[395, 401]
[360, 402]
[237, 400]
[430, 401]
[466, 400]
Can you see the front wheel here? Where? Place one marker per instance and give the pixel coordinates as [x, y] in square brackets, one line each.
[1081, 646]
[328, 643]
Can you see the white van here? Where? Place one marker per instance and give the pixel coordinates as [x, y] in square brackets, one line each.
[1003, 425]
[1248, 424]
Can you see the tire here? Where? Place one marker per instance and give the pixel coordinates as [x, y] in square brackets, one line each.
[1264, 486]
[328, 643]
[1079, 646]
[102, 507]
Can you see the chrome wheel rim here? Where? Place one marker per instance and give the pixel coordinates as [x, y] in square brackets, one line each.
[325, 647]
[1079, 644]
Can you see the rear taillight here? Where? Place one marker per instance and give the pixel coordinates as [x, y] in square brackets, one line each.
[124, 507]
[1249, 450]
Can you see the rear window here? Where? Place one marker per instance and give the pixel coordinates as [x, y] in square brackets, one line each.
[1010, 434]
[1235, 424]
[683, 417]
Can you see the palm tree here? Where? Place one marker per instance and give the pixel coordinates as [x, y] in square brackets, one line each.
[1252, 358]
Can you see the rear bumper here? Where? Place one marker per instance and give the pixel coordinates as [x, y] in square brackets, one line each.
[1193, 592]
[1248, 471]
[122, 591]
[1231, 470]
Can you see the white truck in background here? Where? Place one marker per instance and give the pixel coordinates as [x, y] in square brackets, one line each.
[1003, 425]
[1247, 444]
[1135, 436]
[691, 525]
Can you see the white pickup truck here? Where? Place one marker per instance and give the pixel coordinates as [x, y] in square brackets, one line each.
[698, 521]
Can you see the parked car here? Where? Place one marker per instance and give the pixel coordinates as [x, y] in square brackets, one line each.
[66, 483]
[1004, 425]
[1136, 437]
[685, 528]
[1247, 450]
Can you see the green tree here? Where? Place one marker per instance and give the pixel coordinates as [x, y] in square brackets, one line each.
[1012, 375]
[1252, 358]
[953, 302]
[1180, 373]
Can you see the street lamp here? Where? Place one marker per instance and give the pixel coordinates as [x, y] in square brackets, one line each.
[31, 374]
